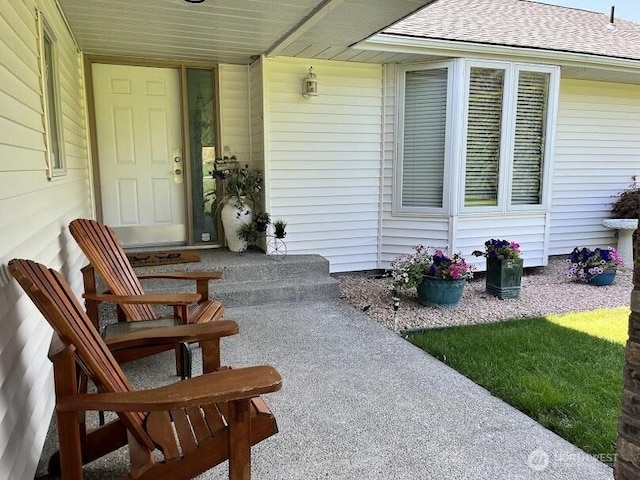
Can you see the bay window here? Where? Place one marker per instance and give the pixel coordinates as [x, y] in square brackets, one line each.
[499, 136]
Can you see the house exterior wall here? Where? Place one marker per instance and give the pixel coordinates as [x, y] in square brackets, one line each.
[34, 214]
[597, 153]
[324, 158]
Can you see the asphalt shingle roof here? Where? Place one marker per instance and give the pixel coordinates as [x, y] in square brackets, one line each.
[523, 23]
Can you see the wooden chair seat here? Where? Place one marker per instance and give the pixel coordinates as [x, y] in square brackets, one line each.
[195, 424]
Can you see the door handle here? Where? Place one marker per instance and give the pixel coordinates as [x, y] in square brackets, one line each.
[177, 169]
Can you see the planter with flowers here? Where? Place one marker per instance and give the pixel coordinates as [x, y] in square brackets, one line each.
[438, 278]
[241, 188]
[597, 267]
[504, 268]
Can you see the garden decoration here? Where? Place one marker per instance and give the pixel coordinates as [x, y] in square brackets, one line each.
[626, 213]
[439, 279]
[257, 228]
[504, 268]
[596, 267]
[276, 246]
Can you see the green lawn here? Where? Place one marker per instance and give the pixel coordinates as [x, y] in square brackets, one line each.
[564, 371]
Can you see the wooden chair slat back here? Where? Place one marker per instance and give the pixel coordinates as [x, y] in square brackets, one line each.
[103, 249]
[52, 295]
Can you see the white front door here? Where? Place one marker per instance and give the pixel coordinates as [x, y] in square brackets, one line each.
[138, 130]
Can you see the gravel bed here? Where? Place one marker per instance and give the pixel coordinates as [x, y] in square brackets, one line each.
[545, 290]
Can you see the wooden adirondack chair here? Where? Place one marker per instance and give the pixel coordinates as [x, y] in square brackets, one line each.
[195, 424]
[104, 251]
[135, 308]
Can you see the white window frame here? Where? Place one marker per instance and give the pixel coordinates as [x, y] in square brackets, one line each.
[507, 135]
[398, 208]
[45, 31]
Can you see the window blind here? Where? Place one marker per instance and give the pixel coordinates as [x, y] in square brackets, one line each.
[482, 171]
[425, 119]
[528, 153]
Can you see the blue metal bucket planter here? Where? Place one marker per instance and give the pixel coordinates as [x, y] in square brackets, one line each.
[438, 292]
[605, 278]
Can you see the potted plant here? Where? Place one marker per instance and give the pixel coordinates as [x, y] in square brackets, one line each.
[279, 229]
[241, 186]
[438, 278]
[596, 267]
[262, 221]
[504, 268]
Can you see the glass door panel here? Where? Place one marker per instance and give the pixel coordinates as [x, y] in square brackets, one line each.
[202, 139]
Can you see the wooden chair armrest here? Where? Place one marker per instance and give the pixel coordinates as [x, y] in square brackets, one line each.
[150, 298]
[222, 386]
[183, 275]
[198, 332]
[202, 279]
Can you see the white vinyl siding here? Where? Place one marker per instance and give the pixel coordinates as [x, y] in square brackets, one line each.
[34, 214]
[424, 138]
[235, 121]
[323, 160]
[597, 151]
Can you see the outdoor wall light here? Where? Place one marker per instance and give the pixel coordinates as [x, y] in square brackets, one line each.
[194, 1]
[310, 85]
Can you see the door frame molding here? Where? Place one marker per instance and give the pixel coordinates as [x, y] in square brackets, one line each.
[181, 67]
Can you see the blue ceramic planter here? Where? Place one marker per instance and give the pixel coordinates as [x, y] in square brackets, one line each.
[605, 278]
[438, 292]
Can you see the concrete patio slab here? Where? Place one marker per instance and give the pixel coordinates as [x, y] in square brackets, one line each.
[359, 402]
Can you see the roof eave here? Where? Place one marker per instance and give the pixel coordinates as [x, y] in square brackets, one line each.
[452, 48]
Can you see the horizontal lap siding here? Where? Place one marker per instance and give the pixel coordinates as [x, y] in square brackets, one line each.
[528, 229]
[235, 111]
[597, 152]
[34, 214]
[323, 159]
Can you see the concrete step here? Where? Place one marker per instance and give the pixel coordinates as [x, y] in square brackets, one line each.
[254, 278]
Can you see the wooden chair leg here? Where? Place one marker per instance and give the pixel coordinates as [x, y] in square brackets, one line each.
[239, 440]
[68, 425]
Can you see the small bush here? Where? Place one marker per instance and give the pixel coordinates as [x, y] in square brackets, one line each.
[628, 204]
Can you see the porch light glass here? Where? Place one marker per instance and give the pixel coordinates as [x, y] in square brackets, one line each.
[310, 84]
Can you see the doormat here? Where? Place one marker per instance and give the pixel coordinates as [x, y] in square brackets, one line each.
[162, 257]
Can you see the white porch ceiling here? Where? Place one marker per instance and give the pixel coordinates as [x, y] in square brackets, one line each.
[232, 31]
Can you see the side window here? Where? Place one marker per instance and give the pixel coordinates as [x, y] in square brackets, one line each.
[424, 136]
[51, 103]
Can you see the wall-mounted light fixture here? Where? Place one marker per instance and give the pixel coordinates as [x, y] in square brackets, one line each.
[310, 85]
[194, 1]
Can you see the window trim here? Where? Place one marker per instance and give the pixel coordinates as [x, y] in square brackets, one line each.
[47, 34]
[397, 207]
[550, 135]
